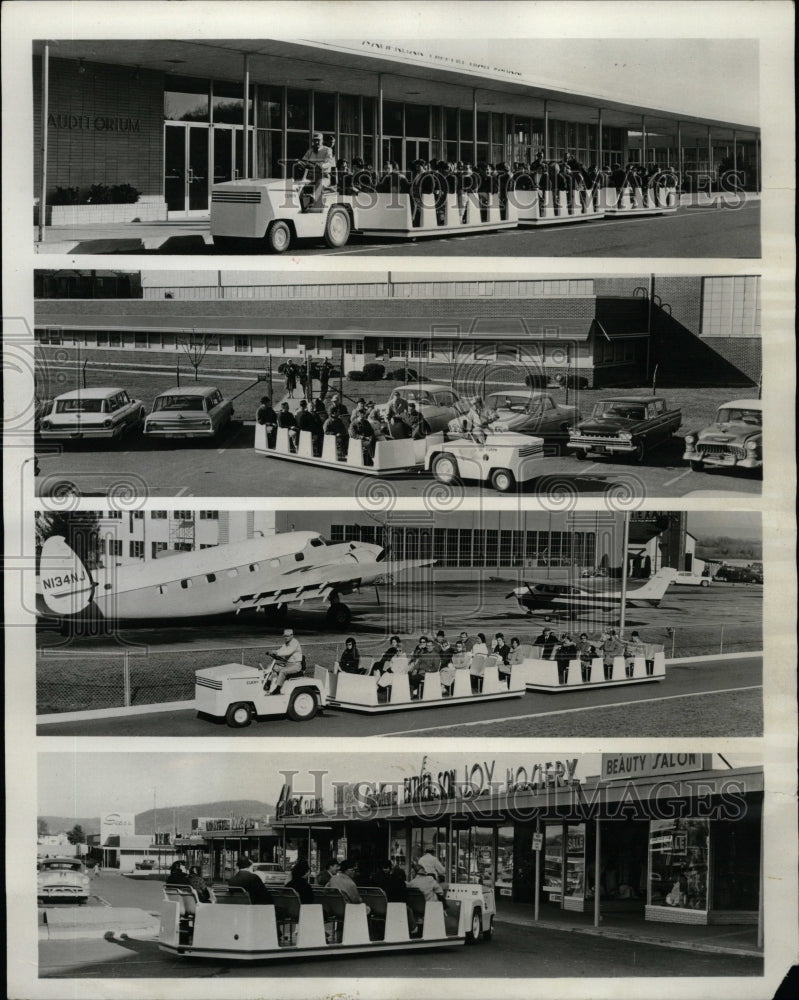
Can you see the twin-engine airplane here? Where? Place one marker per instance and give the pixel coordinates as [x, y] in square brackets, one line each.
[264, 573]
[549, 597]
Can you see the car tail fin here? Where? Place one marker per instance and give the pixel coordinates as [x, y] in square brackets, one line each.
[66, 585]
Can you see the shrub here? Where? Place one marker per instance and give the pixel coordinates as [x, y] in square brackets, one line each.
[412, 375]
[373, 372]
[124, 194]
[356, 376]
[65, 196]
[536, 379]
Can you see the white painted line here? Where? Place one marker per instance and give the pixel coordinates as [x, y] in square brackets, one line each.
[678, 478]
[570, 711]
[89, 715]
[183, 492]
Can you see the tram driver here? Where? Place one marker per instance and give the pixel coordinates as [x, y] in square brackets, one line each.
[289, 656]
[319, 162]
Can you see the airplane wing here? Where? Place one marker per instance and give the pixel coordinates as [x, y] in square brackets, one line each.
[308, 583]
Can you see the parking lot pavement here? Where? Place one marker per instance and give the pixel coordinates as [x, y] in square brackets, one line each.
[231, 468]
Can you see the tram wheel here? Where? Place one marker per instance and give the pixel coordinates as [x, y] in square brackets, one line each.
[503, 480]
[337, 227]
[239, 715]
[474, 935]
[445, 468]
[302, 707]
[278, 236]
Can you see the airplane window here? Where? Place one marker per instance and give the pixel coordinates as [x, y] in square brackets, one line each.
[185, 584]
[298, 556]
[274, 563]
[254, 567]
[162, 589]
[317, 541]
[211, 577]
[232, 572]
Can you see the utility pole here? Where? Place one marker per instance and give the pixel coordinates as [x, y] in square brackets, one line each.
[625, 546]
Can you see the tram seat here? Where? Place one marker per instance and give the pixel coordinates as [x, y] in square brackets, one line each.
[606, 197]
[427, 211]
[597, 670]
[561, 203]
[462, 688]
[330, 448]
[187, 901]
[471, 209]
[491, 681]
[417, 903]
[358, 688]
[525, 651]
[575, 675]
[287, 912]
[477, 668]
[333, 906]
[638, 198]
[283, 441]
[377, 902]
[452, 210]
[235, 895]
[389, 210]
[305, 445]
[355, 453]
[395, 454]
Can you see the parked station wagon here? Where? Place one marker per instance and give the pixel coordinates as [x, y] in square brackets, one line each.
[99, 413]
[735, 438]
[438, 404]
[532, 413]
[62, 879]
[198, 411]
[625, 425]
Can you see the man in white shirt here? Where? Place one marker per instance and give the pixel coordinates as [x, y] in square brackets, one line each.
[320, 162]
[290, 657]
[430, 865]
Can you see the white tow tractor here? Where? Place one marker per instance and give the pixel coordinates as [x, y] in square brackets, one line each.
[239, 694]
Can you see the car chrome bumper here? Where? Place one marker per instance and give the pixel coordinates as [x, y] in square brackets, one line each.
[601, 447]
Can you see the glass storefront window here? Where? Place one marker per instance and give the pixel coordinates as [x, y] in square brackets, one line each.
[228, 103]
[505, 863]
[678, 860]
[297, 111]
[417, 120]
[186, 99]
[467, 126]
[324, 112]
[349, 113]
[392, 118]
[496, 128]
[270, 153]
[270, 107]
[575, 859]
[368, 112]
[451, 123]
[483, 119]
[552, 876]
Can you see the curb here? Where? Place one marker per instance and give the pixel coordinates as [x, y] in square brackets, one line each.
[715, 656]
[624, 935]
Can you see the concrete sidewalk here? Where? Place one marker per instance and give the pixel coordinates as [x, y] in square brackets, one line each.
[719, 939]
[97, 922]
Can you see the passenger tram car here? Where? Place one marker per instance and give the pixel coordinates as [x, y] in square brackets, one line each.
[231, 927]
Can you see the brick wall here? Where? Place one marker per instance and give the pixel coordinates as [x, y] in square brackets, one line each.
[90, 151]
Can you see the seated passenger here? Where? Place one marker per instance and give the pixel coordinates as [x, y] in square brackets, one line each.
[565, 652]
[199, 885]
[286, 419]
[325, 875]
[178, 874]
[611, 648]
[500, 647]
[586, 651]
[361, 430]
[547, 640]
[635, 646]
[299, 881]
[515, 655]
[384, 663]
[344, 881]
[461, 658]
[398, 428]
[350, 659]
[417, 425]
[427, 884]
[392, 181]
[335, 425]
[256, 890]
[379, 425]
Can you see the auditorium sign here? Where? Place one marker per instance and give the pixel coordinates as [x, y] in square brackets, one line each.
[93, 123]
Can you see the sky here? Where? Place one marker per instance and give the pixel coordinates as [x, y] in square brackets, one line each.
[84, 784]
[736, 524]
[707, 77]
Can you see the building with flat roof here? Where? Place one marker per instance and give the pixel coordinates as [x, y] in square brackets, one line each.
[473, 328]
[167, 116]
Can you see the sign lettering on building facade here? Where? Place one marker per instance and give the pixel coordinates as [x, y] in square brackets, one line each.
[641, 765]
[95, 123]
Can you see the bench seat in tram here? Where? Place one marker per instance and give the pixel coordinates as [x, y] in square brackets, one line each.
[539, 673]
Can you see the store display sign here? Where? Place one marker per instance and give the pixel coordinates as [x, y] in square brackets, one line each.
[483, 778]
[623, 766]
[297, 805]
[117, 825]
[538, 841]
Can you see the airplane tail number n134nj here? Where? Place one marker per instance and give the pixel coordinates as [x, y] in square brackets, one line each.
[267, 572]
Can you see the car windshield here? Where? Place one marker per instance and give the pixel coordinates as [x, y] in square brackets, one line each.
[516, 404]
[179, 403]
[615, 408]
[753, 417]
[59, 866]
[80, 406]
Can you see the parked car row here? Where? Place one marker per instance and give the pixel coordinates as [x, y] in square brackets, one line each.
[199, 411]
[624, 425]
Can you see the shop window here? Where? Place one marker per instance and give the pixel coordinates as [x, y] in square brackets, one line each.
[270, 107]
[349, 113]
[324, 112]
[227, 105]
[392, 118]
[417, 120]
[368, 112]
[678, 860]
[467, 126]
[483, 120]
[269, 153]
[297, 111]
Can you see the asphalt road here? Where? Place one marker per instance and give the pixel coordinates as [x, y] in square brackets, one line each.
[140, 469]
[691, 232]
[514, 952]
[649, 710]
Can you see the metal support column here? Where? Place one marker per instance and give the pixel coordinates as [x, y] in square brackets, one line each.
[474, 125]
[546, 130]
[625, 547]
[643, 140]
[734, 150]
[597, 882]
[379, 157]
[45, 113]
[537, 887]
[679, 152]
[710, 152]
[599, 137]
[246, 143]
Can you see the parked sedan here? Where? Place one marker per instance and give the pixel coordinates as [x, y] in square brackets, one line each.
[62, 879]
[100, 413]
[269, 873]
[438, 404]
[686, 579]
[534, 413]
[200, 411]
[625, 425]
[734, 439]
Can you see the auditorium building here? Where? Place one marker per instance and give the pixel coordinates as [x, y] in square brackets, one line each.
[173, 117]
[470, 329]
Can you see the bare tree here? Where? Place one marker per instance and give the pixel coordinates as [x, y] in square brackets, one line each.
[195, 346]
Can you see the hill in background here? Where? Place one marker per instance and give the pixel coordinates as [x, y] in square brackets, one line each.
[170, 818]
[725, 547]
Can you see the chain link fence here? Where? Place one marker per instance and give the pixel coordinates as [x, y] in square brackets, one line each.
[73, 682]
